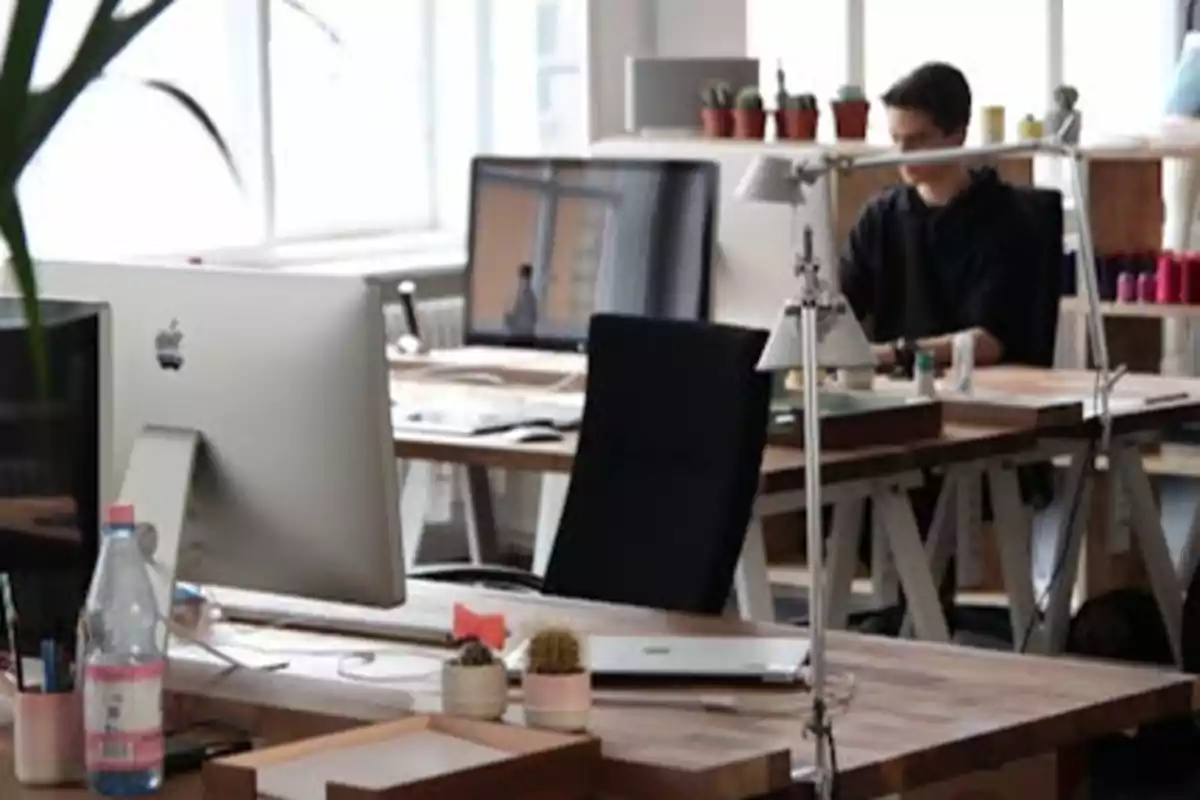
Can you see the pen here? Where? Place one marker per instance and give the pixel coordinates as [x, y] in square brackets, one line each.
[50, 666]
[10, 622]
[1168, 398]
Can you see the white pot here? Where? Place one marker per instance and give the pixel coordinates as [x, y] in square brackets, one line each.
[475, 692]
[557, 702]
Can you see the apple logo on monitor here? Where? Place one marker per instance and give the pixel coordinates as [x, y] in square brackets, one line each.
[166, 347]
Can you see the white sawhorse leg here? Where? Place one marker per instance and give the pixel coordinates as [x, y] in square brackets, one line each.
[751, 579]
[912, 566]
[849, 505]
[1152, 541]
[1013, 527]
[416, 491]
[552, 496]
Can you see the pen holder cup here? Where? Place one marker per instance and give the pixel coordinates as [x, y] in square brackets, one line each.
[48, 738]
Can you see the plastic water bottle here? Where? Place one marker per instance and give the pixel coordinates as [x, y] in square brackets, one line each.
[123, 668]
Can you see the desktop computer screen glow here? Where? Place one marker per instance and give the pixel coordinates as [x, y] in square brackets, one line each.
[554, 241]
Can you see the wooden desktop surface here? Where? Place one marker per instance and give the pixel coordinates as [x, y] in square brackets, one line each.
[919, 713]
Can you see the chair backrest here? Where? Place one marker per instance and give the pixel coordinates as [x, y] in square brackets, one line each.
[667, 468]
[1041, 284]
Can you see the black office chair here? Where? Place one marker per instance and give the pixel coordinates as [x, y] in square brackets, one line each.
[666, 471]
[1042, 281]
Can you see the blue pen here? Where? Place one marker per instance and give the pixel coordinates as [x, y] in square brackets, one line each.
[49, 666]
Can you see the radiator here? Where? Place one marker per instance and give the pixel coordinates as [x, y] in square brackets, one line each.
[441, 321]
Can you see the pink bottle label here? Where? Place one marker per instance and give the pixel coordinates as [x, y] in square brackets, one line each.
[123, 717]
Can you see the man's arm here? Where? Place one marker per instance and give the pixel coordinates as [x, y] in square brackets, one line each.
[988, 348]
[985, 312]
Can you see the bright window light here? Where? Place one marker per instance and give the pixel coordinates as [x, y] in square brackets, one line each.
[1000, 47]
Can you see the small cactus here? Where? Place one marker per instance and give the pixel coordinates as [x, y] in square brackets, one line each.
[717, 95]
[801, 102]
[474, 653]
[850, 93]
[749, 98]
[781, 92]
[554, 651]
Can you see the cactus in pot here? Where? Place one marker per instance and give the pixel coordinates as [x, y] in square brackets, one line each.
[557, 685]
[797, 118]
[716, 110]
[474, 683]
[749, 115]
[851, 110]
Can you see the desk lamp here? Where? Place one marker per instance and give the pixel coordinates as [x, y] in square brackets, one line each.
[818, 329]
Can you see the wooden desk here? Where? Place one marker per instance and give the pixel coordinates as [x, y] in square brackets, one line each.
[920, 713]
[1120, 502]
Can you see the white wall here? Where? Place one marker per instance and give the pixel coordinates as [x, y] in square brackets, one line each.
[620, 28]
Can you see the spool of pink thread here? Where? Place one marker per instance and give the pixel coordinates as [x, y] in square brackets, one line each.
[1126, 288]
[1145, 288]
[1168, 279]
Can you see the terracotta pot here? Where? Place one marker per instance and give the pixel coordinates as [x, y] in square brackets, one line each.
[850, 118]
[718, 122]
[558, 702]
[749, 123]
[475, 692]
[797, 124]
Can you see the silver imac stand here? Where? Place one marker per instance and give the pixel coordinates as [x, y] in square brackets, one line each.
[158, 484]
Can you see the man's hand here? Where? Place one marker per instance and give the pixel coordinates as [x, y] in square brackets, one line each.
[885, 356]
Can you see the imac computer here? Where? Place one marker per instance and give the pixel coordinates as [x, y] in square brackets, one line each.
[553, 241]
[53, 463]
[251, 425]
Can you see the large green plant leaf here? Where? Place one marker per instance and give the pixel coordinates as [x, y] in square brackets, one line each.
[197, 112]
[25, 29]
[12, 226]
[107, 35]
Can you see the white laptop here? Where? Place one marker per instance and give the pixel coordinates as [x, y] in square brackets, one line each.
[735, 658]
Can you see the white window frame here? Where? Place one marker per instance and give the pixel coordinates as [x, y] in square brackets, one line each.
[443, 113]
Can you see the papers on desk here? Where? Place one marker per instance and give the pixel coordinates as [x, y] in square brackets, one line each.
[458, 413]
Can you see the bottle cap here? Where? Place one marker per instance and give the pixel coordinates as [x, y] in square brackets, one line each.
[924, 360]
[120, 514]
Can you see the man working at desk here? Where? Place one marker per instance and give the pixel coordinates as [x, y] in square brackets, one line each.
[933, 258]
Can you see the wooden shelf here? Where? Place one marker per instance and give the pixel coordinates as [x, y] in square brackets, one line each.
[1077, 305]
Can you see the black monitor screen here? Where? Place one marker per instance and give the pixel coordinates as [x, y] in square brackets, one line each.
[49, 465]
[554, 241]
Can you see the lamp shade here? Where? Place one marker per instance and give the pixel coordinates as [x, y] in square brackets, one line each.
[841, 343]
[770, 179]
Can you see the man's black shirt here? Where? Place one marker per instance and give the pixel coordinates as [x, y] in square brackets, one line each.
[917, 271]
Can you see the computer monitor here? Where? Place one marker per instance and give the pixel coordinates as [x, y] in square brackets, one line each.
[284, 378]
[53, 457]
[553, 241]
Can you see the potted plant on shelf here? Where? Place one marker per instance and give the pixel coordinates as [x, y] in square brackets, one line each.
[716, 110]
[797, 118]
[557, 686]
[749, 116]
[474, 683]
[1030, 128]
[851, 110]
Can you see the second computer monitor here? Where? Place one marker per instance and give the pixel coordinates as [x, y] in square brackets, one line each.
[553, 241]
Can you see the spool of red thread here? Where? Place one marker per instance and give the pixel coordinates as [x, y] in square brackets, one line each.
[1189, 279]
[1167, 280]
[1145, 288]
[1126, 288]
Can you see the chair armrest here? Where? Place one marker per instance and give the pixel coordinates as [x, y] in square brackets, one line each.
[470, 573]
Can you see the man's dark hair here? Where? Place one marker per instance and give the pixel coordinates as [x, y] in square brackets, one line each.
[937, 89]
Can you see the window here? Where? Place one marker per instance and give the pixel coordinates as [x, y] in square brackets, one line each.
[1119, 56]
[809, 39]
[1000, 47]
[348, 118]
